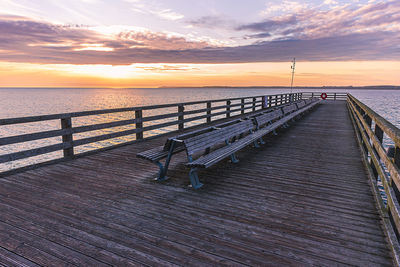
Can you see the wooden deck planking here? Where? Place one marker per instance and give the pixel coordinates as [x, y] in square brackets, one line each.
[301, 199]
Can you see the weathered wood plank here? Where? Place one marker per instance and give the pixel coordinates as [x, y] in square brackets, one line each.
[299, 200]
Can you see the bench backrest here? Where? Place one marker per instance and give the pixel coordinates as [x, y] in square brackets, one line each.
[168, 143]
[310, 100]
[301, 104]
[210, 139]
[268, 117]
[183, 136]
[289, 109]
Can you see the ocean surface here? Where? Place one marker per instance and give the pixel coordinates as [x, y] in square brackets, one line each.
[39, 101]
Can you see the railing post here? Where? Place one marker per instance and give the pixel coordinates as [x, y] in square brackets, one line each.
[66, 123]
[276, 100]
[208, 112]
[379, 133]
[254, 103]
[242, 105]
[228, 108]
[334, 96]
[397, 156]
[181, 109]
[139, 124]
[312, 95]
[379, 136]
[269, 101]
[368, 120]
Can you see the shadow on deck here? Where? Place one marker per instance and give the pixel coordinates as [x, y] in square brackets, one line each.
[301, 199]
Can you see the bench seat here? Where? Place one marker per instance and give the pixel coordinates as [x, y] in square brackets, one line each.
[224, 152]
[217, 155]
[157, 153]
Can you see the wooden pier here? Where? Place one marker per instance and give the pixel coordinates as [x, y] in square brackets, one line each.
[304, 198]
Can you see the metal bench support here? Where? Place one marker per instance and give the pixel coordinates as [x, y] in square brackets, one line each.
[194, 179]
[234, 159]
[162, 175]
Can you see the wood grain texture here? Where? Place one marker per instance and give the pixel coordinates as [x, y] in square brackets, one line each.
[302, 199]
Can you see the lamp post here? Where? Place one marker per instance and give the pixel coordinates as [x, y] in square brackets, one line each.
[293, 66]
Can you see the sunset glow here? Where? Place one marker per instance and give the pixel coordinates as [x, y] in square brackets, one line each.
[164, 43]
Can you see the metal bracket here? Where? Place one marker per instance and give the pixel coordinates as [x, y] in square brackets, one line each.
[194, 179]
[164, 168]
[161, 174]
[234, 159]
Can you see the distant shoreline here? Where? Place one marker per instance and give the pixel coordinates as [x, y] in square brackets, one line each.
[372, 87]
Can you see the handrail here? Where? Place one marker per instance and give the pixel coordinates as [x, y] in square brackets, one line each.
[9, 121]
[370, 130]
[329, 95]
[133, 117]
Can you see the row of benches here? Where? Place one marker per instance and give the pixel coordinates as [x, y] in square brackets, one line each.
[207, 146]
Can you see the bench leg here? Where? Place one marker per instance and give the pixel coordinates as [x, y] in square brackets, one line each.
[274, 132]
[256, 144]
[161, 174]
[261, 141]
[163, 169]
[234, 158]
[194, 179]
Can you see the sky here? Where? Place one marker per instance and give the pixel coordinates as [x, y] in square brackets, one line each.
[152, 43]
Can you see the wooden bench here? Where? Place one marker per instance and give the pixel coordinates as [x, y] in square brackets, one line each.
[236, 134]
[166, 151]
[271, 121]
[265, 123]
[301, 104]
[289, 109]
[232, 136]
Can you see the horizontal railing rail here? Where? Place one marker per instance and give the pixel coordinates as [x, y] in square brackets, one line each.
[328, 95]
[162, 116]
[384, 167]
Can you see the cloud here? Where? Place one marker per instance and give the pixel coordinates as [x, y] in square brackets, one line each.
[283, 7]
[168, 14]
[330, 2]
[168, 68]
[311, 23]
[29, 41]
[213, 22]
[270, 24]
[160, 41]
[148, 8]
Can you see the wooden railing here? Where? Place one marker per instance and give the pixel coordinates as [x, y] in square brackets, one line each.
[185, 115]
[329, 95]
[383, 167]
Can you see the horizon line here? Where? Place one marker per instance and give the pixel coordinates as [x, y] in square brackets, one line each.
[395, 87]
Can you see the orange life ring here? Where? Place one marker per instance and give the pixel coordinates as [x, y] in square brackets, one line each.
[324, 96]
